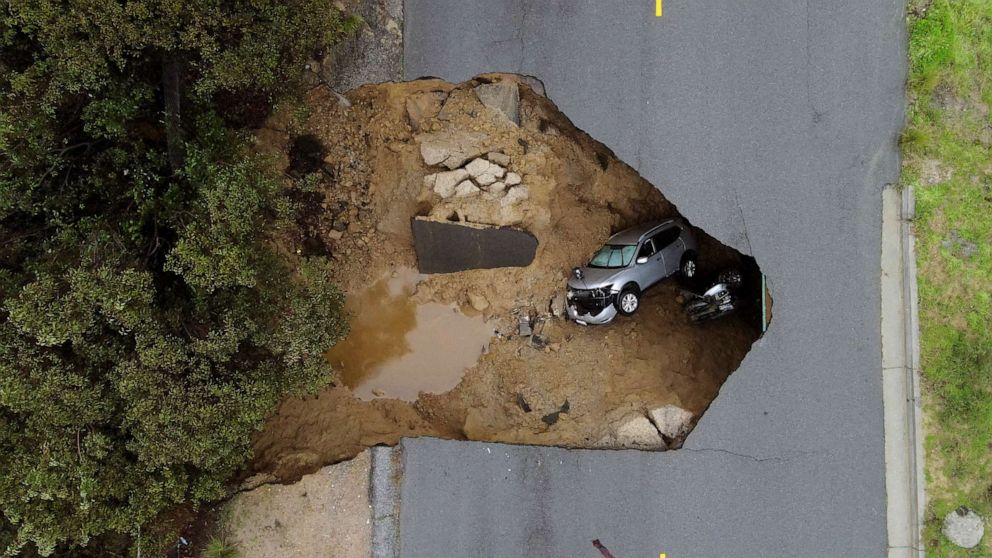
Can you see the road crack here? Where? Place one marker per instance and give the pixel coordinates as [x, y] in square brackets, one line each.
[778, 458]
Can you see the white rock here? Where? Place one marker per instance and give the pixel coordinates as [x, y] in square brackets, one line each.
[478, 167]
[498, 158]
[964, 527]
[466, 188]
[450, 149]
[434, 153]
[485, 179]
[429, 181]
[512, 179]
[671, 421]
[497, 171]
[497, 187]
[515, 195]
[446, 182]
[636, 431]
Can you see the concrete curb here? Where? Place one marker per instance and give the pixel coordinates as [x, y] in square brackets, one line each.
[904, 481]
[912, 317]
[384, 499]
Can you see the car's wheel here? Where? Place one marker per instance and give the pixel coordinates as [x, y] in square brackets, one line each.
[629, 300]
[689, 266]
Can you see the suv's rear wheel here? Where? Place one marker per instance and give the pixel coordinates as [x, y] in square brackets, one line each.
[629, 300]
[688, 267]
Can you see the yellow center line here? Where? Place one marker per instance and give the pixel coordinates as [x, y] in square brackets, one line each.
[657, 8]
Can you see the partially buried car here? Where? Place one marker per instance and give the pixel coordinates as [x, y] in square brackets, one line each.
[631, 261]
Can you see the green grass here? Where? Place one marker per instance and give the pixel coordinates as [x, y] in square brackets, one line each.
[947, 158]
[219, 548]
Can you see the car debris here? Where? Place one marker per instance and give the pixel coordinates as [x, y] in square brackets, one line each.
[524, 327]
[538, 342]
[522, 403]
[629, 263]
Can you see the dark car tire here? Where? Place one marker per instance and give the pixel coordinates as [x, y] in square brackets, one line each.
[689, 266]
[629, 300]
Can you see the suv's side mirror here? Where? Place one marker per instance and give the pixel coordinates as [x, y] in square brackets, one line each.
[642, 260]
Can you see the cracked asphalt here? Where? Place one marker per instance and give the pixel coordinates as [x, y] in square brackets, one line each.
[773, 124]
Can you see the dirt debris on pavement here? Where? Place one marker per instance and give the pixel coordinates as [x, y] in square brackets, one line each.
[386, 157]
[326, 513]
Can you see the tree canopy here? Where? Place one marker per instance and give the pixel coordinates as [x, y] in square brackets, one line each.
[149, 320]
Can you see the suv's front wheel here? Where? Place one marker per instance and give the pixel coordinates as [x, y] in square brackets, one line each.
[629, 300]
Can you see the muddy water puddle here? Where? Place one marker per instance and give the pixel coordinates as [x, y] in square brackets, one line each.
[398, 348]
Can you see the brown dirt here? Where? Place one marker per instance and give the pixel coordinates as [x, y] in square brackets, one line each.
[372, 184]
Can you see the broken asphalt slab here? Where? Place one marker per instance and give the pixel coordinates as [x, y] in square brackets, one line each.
[774, 126]
[449, 247]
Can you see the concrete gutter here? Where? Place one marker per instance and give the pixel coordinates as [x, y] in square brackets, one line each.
[384, 500]
[904, 480]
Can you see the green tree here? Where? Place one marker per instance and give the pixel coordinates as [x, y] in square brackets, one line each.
[148, 319]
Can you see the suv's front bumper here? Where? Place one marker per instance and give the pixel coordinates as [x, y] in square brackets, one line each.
[583, 317]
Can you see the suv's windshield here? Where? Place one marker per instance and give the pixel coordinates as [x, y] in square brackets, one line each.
[613, 256]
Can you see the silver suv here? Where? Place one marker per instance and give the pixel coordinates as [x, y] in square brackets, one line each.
[630, 262]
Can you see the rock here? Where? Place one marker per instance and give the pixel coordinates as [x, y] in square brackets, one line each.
[335, 235]
[484, 172]
[498, 158]
[516, 194]
[535, 84]
[429, 181]
[671, 421]
[485, 179]
[423, 106]
[478, 302]
[557, 305]
[964, 528]
[451, 149]
[636, 431]
[503, 97]
[446, 182]
[512, 179]
[466, 188]
[496, 188]
[478, 167]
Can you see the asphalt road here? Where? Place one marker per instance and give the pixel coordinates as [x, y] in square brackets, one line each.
[772, 124]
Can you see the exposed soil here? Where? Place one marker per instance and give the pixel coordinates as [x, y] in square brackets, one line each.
[325, 514]
[578, 383]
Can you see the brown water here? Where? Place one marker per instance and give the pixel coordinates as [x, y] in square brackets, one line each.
[398, 348]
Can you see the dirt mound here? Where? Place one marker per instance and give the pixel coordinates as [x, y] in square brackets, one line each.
[519, 163]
